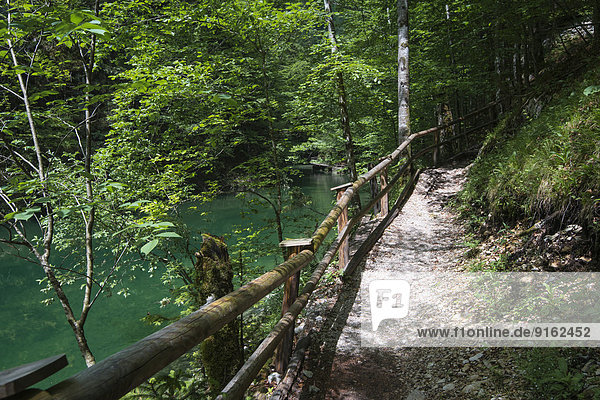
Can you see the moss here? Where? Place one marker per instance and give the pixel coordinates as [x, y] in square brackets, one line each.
[221, 352]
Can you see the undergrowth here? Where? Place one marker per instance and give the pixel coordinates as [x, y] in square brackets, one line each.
[555, 373]
[551, 163]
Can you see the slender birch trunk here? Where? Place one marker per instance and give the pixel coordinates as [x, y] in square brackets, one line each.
[342, 97]
[403, 72]
[48, 225]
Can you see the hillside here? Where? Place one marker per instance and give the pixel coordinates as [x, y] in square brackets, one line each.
[536, 182]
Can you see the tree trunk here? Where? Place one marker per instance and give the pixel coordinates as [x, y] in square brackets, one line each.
[526, 58]
[220, 353]
[537, 48]
[596, 23]
[342, 99]
[47, 230]
[403, 72]
[274, 152]
[518, 69]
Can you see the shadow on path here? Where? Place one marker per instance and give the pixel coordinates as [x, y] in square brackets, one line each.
[323, 349]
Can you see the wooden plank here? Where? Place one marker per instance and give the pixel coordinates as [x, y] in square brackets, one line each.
[19, 378]
[31, 394]
[290, 293]
[284, 350]
[296, 243]
[237, 386]
[383, 203]
[295, 365]
[344, 253]
[374, 193]
[341, 187]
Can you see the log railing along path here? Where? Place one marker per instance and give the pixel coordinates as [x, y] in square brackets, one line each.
[423, 238]
[118, 374]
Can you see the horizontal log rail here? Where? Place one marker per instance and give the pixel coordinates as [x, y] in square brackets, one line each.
[120, 373]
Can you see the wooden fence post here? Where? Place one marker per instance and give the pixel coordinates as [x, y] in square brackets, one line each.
[383, 203]
[374, 191]
[436, 149]
[284, 350]
[344, 252]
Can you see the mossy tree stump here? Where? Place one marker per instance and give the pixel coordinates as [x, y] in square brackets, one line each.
[221, 353]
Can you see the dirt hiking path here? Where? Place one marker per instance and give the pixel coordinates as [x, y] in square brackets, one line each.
[425, 237]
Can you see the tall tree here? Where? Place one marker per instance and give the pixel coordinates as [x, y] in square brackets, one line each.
[60, 199]
[403, 72]
[596, 23]
[342, 97]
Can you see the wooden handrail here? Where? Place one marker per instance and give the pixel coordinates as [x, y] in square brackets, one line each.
[120, 373]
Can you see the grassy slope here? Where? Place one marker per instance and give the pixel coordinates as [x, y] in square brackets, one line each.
[547, 164]
[551, 163]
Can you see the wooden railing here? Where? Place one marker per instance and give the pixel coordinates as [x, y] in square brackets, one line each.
[118, 374]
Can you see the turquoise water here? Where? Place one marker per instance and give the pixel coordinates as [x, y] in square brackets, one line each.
[31, 331]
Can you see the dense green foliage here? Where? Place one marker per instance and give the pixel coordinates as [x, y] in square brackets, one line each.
[551, 163]
[114, 114]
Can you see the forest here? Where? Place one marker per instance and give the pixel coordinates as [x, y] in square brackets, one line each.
[114, 115]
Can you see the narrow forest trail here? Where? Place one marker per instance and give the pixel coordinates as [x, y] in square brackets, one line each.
[426, 236]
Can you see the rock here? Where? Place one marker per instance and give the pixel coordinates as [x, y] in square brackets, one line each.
[450, 386]
[274, 378]
[590, 393]
[588, 365]
[416, 395]
[472, 387]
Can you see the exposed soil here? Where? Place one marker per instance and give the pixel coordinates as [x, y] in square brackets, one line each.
[426, 236]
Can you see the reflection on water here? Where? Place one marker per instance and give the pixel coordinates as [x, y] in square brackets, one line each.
[31, 331]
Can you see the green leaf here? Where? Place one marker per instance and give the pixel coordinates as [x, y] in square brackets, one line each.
[168, 235]
[76, 17]
[161, 225]
[40, 95]
[591, 90]
[63, 212]
[9, 216]
[25, 215]
[21, 69]
[97, 31]
[148, 247]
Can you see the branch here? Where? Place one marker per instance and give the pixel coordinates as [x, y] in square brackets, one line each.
[11, 91]
[37, 45]
[112, 271]
[261, 196]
